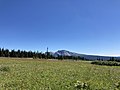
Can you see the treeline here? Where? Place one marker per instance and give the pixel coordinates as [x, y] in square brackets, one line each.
[21, 53]
[107, 63]
[111, 62]
[71, 57]
[114, 59]
[34, 55]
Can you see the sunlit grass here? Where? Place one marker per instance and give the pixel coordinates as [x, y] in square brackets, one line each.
[27, 74]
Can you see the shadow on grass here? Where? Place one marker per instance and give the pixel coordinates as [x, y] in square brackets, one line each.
[4, 68]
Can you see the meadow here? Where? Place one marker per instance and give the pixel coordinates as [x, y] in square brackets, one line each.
[36, 74]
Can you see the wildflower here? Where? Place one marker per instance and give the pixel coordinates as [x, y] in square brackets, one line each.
[81, 85]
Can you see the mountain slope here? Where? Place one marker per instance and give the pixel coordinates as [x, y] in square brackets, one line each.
[90, 57]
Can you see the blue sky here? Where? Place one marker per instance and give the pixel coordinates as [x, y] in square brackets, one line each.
[83, 26]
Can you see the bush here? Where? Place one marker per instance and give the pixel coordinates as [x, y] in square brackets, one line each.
[107, 63]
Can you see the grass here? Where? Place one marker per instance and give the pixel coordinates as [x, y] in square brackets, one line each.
[28, 74]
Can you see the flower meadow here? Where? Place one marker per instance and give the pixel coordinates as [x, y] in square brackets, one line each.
[36, 74]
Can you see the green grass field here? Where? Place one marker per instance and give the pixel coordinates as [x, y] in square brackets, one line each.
[29, 74]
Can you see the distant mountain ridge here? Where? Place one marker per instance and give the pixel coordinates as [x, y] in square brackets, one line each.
[90, 57]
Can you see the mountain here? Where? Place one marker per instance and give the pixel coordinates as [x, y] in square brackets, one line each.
[65, 53]
[90, 57]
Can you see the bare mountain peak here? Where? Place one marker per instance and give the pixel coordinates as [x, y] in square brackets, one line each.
[90, 57]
